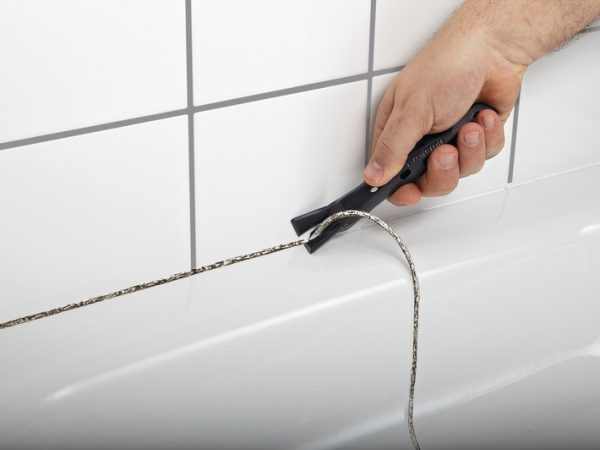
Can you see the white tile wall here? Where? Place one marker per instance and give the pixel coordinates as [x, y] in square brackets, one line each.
[492, 177]
[90, 214]
[260, 164]
[559, 115]
[243, 48]
[68, 64]
[403, 27]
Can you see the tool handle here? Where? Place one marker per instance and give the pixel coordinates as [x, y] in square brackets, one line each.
[365, 197]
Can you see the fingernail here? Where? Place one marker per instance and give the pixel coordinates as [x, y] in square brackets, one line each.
[472, 138]
[374, 171]
[488, 122]
[447, 160]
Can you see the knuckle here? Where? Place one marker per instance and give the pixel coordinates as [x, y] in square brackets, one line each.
[395, 201]
[476, 168]
[494, 150]
[449, 185]
[438, 186]
[445, 184]
[502, 142]
[468, 170]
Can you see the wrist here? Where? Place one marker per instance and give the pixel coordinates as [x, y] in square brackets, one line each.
[500, 30]
[525, 30]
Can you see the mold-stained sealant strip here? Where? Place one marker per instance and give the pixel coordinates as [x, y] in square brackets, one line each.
[267, 251]
[416, 303]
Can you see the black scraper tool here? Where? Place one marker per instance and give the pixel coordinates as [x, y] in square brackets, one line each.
[365, 197]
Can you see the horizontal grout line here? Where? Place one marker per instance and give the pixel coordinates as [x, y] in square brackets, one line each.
[191, 110]
[295, 89]
[281, 92]
[91, 129]
[388, 70]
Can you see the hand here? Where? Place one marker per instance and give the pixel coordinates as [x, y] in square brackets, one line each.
[481, 54]
[460, 66]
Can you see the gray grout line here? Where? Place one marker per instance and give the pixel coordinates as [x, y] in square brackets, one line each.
[190, 115]
[368, 119]
[192, 190]
[91, 129]
[513, 143]
[372, 18]
[189, 54]
[295, 89]
[388, 70]
[281, 92]
[194, 109]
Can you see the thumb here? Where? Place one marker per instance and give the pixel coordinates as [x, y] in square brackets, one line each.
[401, 132]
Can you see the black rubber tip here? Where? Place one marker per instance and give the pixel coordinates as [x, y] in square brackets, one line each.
[310, 219]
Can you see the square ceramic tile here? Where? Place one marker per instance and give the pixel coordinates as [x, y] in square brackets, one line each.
[69, 64]
[90, 214]
[243, 48]
[403, 27]
[492, 177]
[559, 116]
[260, 164]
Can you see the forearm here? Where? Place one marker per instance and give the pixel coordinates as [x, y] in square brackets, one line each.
[525, 30]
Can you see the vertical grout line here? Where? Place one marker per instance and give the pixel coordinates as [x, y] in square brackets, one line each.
[372, 35]
[368, 124]
[192, 178]
[190, 116]
[513, 143]
[370, 78]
